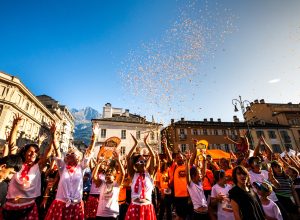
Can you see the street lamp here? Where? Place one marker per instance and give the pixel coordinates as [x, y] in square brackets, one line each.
[243, 104]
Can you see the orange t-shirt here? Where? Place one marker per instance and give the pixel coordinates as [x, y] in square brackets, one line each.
[122, 195]
[228, 173]
[208, 180]
[163, 181]
[180, 183]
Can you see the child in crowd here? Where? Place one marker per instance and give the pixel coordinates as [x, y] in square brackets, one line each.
[220, 196]
[271, 210]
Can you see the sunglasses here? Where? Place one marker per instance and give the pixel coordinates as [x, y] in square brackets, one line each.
[140, 162]
[68, 154]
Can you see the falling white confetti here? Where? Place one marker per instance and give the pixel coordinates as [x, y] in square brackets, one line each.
[166, 74]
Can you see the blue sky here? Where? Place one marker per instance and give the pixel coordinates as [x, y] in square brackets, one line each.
[75, 51]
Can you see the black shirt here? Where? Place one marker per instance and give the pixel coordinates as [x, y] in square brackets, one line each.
[3, 192]
[249, 203]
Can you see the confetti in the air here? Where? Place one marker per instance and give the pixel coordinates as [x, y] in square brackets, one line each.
[165, 74]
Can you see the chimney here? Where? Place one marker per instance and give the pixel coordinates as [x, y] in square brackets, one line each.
[172, 121]
[290, 103]
[219, 119]
[256, 101]
[235, 119]
[205, 119]
[127, 112]
[211, 120]
[182, 119]
[107, 111]
[262, 101]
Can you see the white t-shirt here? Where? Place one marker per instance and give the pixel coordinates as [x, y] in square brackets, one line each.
[197, 195]
[25, 189]
[272, 210]
[217, 190]
[148, 187]
[94, 189]
[261, 177]
[108, 205]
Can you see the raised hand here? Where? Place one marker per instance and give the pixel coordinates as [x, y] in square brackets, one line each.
[116, 155]
[17, 119]
[42, 137]
[96, 129]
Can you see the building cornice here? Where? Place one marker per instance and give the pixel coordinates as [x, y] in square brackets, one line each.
[17, 82]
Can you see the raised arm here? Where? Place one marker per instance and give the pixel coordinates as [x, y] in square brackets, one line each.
[268, 149]
[95, 175]
[152, 156]
[54, 136]
[12, 140]
[232, 141]
[95, 132]
[257, 148]
[122, 171]
[166, 149]
[130, 165]
[187, 167]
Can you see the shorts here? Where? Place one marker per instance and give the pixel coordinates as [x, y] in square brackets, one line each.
[181, 206]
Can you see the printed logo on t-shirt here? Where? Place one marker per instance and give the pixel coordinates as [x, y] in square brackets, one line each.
[181, 174]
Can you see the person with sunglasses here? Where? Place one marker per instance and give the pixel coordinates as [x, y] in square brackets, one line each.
[25, 185]
[244, 201]
[259, 175]
[68, 202]
[141, 172]
[109, 188]
[220, 196]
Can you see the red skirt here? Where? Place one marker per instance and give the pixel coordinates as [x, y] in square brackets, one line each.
[140, 212]
[26, 212]
[59, 211]
[91, 205]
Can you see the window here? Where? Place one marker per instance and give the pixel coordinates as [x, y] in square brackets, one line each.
[123, 134]
[227, 148]
[276, 148]
[204, 131]
[122, 150]
[194, 131]
[285, 136]
[272, 134]
[224, 132]
[181, 131]
[215, 132]
[138, 135]
[183, 148]
[151, 135]
[199, 131]
[259, 134]
[27, 106]
[103, 133]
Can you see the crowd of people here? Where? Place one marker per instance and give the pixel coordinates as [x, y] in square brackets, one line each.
[172, 185]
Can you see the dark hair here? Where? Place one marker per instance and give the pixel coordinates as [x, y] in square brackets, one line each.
[242, 170]
[219, 174]
[193, 171]
[12, 161]
[25, 149]
[251, 159]
[135, 158]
